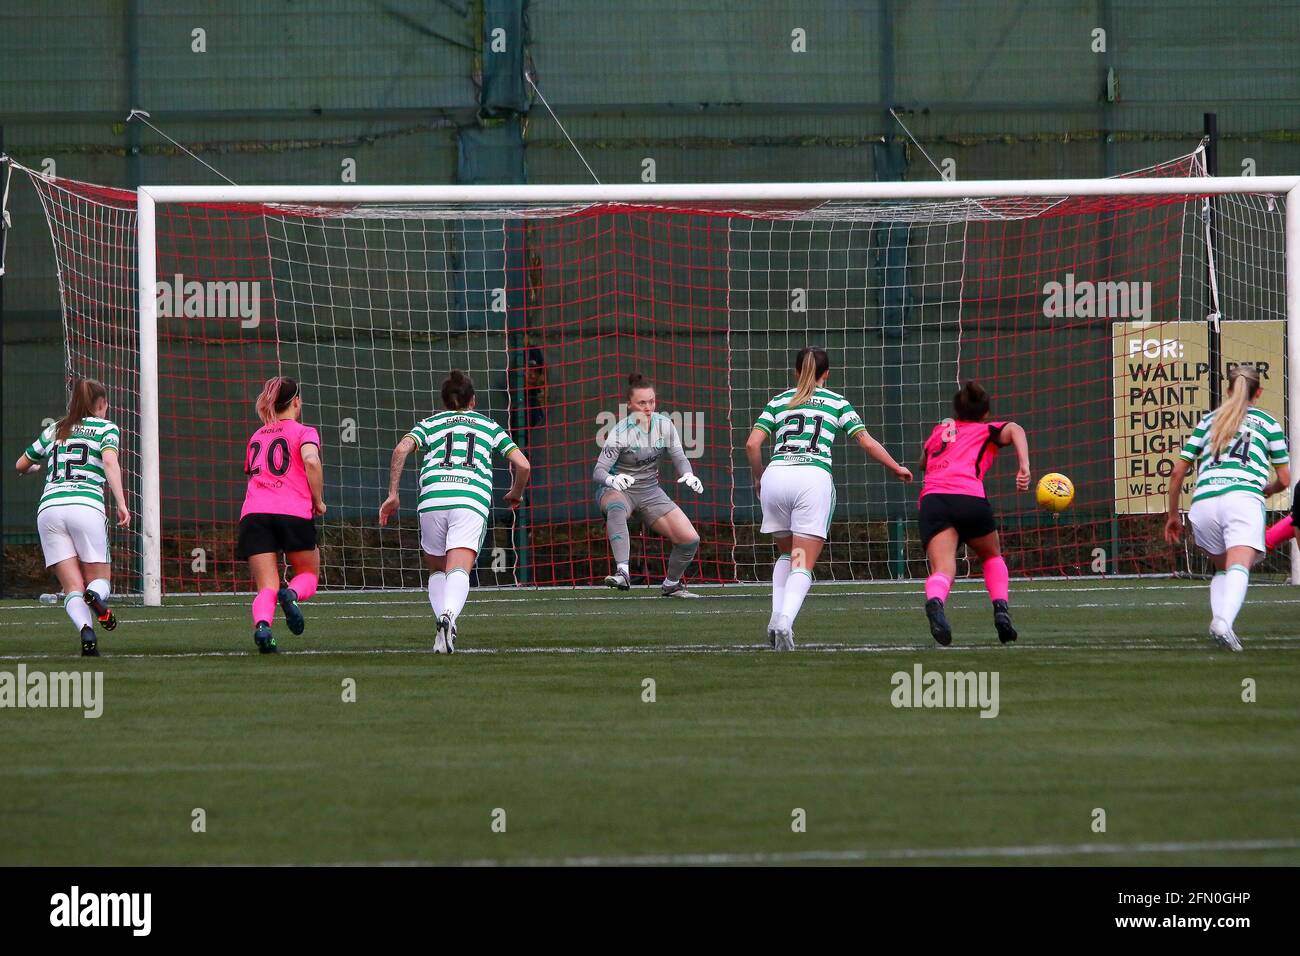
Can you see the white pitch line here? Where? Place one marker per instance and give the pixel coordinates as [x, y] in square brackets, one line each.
[11, 771]
[1102, 645]
[717, 592]
[675, 611]
[1029, 851]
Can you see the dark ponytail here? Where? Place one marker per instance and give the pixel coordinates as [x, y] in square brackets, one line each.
[85, 393]
[457, 391]
[277, 394]
[970, 404]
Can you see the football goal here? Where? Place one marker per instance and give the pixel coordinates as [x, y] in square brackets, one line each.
[1100, 314]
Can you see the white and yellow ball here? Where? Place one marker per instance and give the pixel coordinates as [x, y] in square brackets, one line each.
[1055, 492]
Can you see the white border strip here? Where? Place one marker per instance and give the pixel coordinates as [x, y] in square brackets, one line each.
[726, 192]
[901, 854]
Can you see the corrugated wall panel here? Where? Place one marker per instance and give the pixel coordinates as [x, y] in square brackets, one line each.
[691, 51]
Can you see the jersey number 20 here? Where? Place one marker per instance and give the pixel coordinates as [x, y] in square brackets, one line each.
[277, 458]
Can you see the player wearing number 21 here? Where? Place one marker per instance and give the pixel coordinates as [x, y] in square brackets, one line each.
[286, 488]
[796, 490]
[80, 453]
[455, 495]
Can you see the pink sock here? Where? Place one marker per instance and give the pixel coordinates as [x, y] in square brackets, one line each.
[937, 585]
[1278, 534]
[264, 606]
[304, 585]
[997, 579]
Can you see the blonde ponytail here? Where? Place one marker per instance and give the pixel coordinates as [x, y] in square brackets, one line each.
[1243, 383]
[810, 365]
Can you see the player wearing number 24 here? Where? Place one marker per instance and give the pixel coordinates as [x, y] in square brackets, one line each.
[1233, 448]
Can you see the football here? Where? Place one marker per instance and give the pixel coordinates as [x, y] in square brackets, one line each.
[1055, 492]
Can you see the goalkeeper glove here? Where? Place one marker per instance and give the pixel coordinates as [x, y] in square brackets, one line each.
[619, 482]
[693, 483]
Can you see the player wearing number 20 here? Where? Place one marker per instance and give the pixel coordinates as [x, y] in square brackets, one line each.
[796, 490]
[1233, 448]
[80, 454]
[455, 496]
[286, 488]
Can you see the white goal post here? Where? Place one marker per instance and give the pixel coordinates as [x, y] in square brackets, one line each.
[876, 198]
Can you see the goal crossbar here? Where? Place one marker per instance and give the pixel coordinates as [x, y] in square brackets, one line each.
[724, 192]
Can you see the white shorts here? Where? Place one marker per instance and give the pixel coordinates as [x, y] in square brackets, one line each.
[1228, 520]
[73, 531]
[440, 531]
[797, 499]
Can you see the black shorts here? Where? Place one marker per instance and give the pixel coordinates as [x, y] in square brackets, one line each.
[1295, 504]
[267, 534]
[970, 515]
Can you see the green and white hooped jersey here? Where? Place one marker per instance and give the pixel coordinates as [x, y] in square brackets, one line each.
[74, 467]
[457, 468]
[803, 435]
[1244, 465]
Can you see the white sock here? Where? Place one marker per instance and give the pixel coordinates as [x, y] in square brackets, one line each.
[101, 587]
[780, 574]
[437, 589]
[796, 589]
[1216, 594]
[622, 569]
[668, 583]
[457, 590]
[75, 604]
[1235, 582]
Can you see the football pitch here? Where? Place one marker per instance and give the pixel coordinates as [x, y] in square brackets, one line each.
[536, 742]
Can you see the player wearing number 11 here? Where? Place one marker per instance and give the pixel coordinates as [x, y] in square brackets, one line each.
[796, 490]
[455, 496]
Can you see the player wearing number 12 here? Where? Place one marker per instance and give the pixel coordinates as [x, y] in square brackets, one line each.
[80, 454]
[1233, 449]
[286, 488]
[455, 495]
[796, 490]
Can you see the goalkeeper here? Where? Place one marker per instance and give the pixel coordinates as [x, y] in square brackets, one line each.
[627, 471]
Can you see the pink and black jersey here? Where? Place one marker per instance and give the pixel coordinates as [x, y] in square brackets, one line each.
[277, 478]
[958, 455]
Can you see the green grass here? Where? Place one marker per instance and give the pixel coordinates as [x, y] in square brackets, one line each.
[1113, 698]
